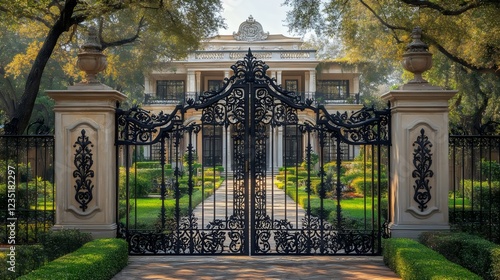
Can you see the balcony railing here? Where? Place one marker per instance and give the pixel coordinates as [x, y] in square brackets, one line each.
[319, 97]
[267, 55]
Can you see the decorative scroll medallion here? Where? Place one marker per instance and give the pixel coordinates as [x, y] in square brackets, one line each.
[422, 160]
[250, 30]
[83, 162]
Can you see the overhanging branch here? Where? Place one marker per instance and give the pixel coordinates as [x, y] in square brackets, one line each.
[464, 7]
[493, 69]
[123, 41]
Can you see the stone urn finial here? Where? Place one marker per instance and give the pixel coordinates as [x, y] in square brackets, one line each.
[417, 58]
[90, 58]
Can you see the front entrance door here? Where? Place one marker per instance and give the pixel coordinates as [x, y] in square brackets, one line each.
[246, 173]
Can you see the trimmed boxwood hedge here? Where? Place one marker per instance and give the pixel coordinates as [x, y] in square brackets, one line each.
[472, 252]
[412, 260]
[98, 259]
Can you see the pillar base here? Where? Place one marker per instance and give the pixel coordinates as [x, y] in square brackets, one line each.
[414, 231]
[97, 231]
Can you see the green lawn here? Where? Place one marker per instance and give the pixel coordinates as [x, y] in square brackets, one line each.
[145, 212]
[459, 202]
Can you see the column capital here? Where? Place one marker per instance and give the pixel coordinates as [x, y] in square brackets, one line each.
[87, 95]
[429, 100]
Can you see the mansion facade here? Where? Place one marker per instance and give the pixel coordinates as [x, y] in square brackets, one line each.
[295, 68]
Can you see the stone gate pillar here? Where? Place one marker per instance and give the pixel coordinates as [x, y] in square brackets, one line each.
[419, 153]
[85, 157]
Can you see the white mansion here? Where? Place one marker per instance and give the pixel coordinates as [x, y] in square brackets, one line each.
[294, 67]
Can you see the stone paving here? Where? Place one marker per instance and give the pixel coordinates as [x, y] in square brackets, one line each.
[278, 205]
[254, 267]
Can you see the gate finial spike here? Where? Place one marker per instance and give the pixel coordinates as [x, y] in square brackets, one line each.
[249, 53]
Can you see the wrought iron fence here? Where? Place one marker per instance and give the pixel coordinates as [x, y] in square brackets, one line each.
[27, 190]
[475, 184]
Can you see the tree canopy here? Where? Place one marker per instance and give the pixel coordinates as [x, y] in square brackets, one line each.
[464, 36]
[147, 31]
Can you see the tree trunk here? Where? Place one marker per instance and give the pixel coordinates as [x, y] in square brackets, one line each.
[21, 117]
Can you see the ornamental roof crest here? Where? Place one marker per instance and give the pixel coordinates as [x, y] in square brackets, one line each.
[250, 30]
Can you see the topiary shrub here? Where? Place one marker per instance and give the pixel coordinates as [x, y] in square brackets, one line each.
[62, 242]
[28, 258]
[364, 187]
[147, 164]
[96, 260]
[472, 252]
[485, 195]
[414, 261]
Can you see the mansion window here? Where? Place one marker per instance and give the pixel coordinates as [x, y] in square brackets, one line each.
[332, 89]
[292, 85]
[214, 85]
[292, 148]
[170, 89]
[330, 151]
[212, 145]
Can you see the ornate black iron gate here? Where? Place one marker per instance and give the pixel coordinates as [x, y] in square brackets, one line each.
[272, 179]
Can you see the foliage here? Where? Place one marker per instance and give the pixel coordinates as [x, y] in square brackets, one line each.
[28, 258]
[141, 181]
[412, 260]
[23, 171]
[146, 211]
[314, 158]
[54, 244]
[490, 170]
[354, 211]
[472, 252]
[484, 195]
[28, 193]
[98, 259]
[151, 32]
[62, 242]
[463, 36]
[147, 164]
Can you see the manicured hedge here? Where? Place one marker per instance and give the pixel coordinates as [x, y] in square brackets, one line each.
[147, 164]
[412, 260]
[484, 194]
[472, 252]
[98, 259]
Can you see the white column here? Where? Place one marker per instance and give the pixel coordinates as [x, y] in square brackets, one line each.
[355, 86]
[198, 82]
[279, 150]
[278, 77]
[419, 120]
[191, 83]
[147, 86]
[307, 86]
[229, 152]
[312, 83]
[85, 127]
[224, 149]
[269, 149]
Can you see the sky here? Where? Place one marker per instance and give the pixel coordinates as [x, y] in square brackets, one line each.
[269, 13]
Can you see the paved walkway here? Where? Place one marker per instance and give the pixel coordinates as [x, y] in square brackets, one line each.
[254, 267]
[268, 267]
[278, 205]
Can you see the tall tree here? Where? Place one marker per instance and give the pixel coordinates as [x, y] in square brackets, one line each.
[464, 35]
[178, 25]
[466, 31]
